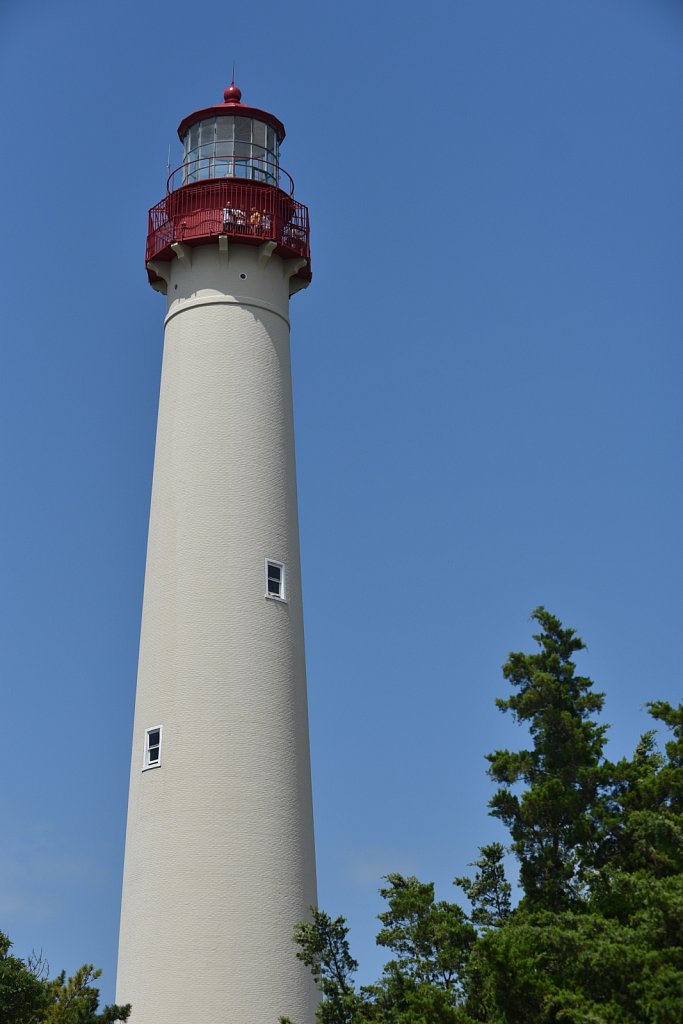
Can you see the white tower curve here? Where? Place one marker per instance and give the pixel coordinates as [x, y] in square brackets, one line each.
[219, 861]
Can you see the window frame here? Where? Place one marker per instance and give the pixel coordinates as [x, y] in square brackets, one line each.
[282, 596]
[146, 766]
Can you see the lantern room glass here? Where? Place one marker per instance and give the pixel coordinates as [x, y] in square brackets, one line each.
[230, 147]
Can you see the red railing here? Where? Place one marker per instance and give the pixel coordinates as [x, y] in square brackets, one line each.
[242, 210]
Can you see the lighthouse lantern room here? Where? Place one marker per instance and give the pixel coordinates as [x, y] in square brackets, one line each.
[230, 185]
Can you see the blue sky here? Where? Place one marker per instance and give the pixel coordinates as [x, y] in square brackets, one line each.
[486, 375]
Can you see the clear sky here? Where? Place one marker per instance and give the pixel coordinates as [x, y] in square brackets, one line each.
[487, 384]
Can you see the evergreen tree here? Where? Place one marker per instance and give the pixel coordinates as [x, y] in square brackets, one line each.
[552, 821]
[489, 892]
[430, 940]
[23, 994]
[324, 948]
[27, 996]
[597, 937]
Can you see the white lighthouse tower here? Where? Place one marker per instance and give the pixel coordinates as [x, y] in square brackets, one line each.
[219, 861]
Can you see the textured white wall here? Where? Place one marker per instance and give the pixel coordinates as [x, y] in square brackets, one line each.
[219, 860]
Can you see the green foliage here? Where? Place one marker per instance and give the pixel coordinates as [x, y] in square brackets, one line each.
[587, 967]
[597, 937]
[23, 995]
[76, 1001]
[431, 941]
[489, 892]
[551, 821]
[324, 948]
[27, 996]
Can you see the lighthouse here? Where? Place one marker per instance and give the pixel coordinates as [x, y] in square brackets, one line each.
[219, 858]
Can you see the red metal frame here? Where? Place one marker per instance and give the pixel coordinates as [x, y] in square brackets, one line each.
[245, 211]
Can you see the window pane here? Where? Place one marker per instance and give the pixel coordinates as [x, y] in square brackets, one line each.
[243, 141]
[194, 136]
[153, 755]
[274, 572]
[222, 167]
[153, 738]
[225, 129]
[274, 587]
[243, 129]
[259, 137]
[208, 128]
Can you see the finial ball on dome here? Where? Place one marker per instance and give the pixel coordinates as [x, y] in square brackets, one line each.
[232, 94]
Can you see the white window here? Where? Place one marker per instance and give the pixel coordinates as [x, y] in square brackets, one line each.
[152, 756]
[275, 580]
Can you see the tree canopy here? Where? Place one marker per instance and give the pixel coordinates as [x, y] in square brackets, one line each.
[29, 996]
[596, 935]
